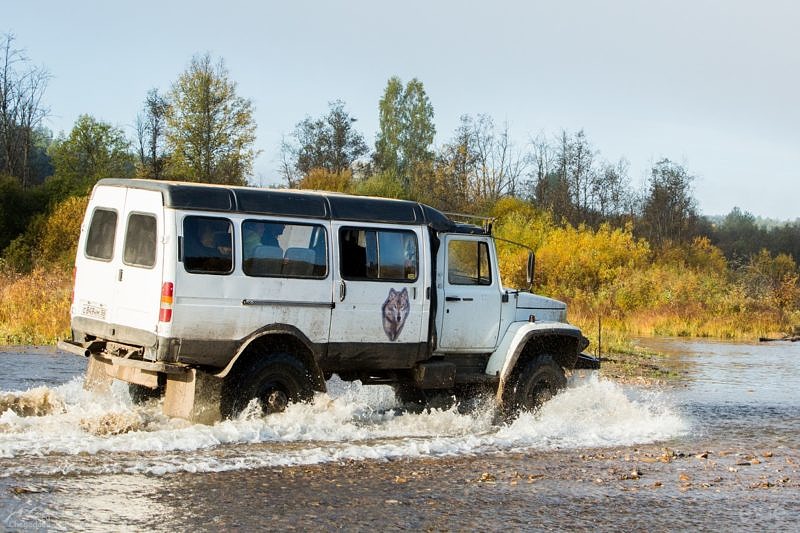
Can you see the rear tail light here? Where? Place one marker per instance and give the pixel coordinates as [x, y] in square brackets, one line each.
[165, 311]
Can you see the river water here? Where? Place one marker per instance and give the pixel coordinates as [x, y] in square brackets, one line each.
[70, 459]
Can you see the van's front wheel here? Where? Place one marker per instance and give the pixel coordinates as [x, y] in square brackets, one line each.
[539, 380]
[275, 380]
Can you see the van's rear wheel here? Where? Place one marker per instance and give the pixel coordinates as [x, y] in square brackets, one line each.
[539, 380]
[275, 380]
[409, 395]
[141, 394]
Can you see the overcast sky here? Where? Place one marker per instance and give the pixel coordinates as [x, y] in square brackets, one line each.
[714, 85]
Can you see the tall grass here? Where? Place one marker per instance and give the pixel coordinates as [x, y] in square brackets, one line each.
[34, 308]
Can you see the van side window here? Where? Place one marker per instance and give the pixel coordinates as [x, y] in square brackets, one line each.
[468, 263]
[140, 241]
[100, 241]
[390, 255]
[207, 245]
[288, 250]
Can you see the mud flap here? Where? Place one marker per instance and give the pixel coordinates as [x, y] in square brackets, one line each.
[97, 378]
[193, 396]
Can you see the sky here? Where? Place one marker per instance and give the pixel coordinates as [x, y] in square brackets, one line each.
[712, 85]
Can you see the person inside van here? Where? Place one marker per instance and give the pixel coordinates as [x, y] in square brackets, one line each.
[207, 245]
[271, 234]
[252, 236]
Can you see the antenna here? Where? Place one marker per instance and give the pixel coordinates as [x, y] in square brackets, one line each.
[599, 334]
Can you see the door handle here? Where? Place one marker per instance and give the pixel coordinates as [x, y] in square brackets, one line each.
[452, 299]
[342, 290]
[119, 275]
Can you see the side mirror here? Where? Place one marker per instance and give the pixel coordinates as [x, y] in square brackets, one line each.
[531, 269]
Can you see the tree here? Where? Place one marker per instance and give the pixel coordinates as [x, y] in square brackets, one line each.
[550, 188]
[406, 131]
[18, 206]
[610, 192]
[150, 135]
[390, 124]
[329, 143]
[450, 186]
[569, 179]
[477, 168]
[210, 130]
[92, 151]
[669, 211]
[739, 236]
[499, 164]
[22, 87]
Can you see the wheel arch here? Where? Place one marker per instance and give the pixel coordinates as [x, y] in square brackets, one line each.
[562, 342]
[284, 337]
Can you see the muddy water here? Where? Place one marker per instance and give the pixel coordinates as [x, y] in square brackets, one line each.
[719, 449]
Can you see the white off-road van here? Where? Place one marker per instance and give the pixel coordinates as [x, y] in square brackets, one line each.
[213, 296]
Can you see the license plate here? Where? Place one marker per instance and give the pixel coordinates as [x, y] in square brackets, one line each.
[93, 311]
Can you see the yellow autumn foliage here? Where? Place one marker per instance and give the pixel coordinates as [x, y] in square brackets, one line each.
[609, 275]
[59, 238]
[319, 179]
[34, 308]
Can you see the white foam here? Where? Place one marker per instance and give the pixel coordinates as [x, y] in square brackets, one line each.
[349, 422]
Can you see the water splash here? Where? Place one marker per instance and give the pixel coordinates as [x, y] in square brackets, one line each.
[103, 433]
[34, 402]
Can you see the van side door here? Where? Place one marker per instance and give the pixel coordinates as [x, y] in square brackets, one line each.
[380, 317]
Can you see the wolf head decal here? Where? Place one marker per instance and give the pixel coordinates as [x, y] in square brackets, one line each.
[395, 311]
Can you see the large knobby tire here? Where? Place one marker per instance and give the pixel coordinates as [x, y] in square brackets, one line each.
[538, 380]
[141, 394]
[275, 380]
[409, 396]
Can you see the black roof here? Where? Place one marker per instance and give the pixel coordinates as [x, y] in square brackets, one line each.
[296, 203]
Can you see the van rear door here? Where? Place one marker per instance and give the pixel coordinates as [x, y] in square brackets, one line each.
[95, 264]
[140, 265]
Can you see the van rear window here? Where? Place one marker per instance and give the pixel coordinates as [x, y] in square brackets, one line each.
[207, 245]
[100, 241]
[140, 241]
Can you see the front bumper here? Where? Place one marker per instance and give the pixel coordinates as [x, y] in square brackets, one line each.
[587, 362]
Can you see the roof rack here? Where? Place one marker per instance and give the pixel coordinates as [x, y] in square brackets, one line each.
[464, 218]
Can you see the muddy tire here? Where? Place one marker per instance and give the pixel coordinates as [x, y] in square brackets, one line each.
[409, 395]
[141, 394]
[276, 380]
[538, 380]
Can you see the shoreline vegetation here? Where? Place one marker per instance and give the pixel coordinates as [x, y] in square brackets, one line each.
[616, 287]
